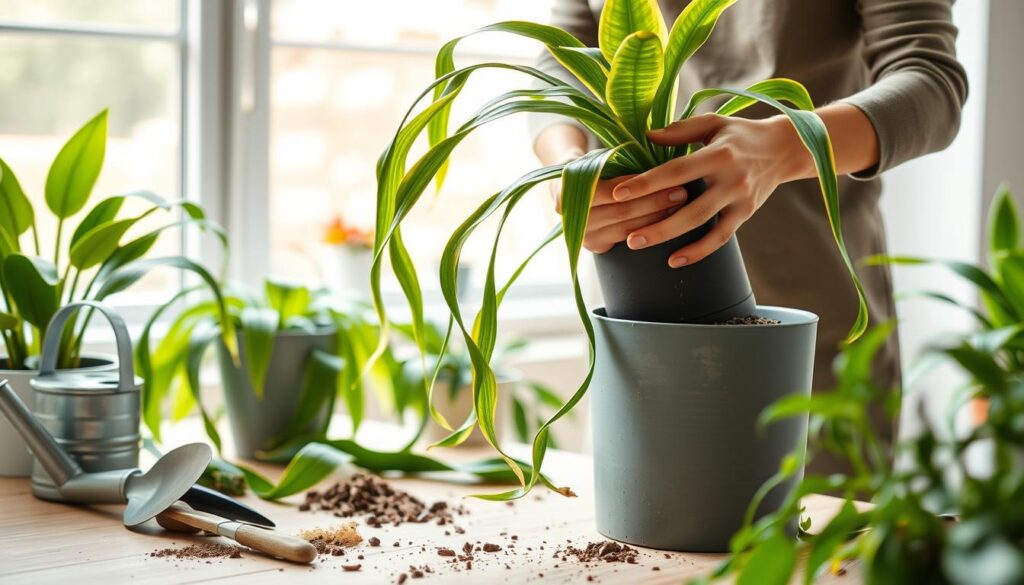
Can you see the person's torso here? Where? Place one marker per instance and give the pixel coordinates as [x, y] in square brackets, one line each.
[787, 245]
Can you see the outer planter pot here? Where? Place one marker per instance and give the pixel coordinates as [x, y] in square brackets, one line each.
[456, 410]
[255, 422]
[677, 452]
[15, 458]
[639, 285]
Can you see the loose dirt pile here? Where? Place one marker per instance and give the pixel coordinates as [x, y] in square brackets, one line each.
[751, 320]
[370, 496]
[333, 541]
[203, 551]
[605, 550]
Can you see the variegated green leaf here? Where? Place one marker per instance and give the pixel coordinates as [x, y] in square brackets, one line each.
[689, 32]
[622, 18]
[633, 81]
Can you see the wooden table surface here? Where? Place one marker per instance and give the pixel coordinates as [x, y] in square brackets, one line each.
[42, 542]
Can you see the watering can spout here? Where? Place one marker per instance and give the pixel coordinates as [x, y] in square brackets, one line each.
[51, 456]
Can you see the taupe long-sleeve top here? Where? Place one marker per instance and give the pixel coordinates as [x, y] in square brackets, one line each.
[893, 59]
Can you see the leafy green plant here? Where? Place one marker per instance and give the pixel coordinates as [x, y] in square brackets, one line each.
[632, 83]
[97, 260]
[173, 365]
[934, 519]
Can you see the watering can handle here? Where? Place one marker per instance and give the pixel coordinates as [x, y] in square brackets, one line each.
[51, 343]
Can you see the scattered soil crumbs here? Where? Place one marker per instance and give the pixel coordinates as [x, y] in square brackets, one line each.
[204, 551]
[381, 503]
[605, 550]
[333, 541]
[751, 320]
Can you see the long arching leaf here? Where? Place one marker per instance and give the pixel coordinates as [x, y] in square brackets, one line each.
[814, 136]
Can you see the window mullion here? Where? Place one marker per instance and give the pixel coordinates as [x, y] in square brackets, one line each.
[248, 193]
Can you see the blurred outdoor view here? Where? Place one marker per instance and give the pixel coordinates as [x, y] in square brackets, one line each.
[342, 76]
[52, 84]
[336, 104]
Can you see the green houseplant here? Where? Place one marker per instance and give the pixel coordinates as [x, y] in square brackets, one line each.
[298, 351]
[104, 254]
[631, 80]
[292, 353]
[935, 518]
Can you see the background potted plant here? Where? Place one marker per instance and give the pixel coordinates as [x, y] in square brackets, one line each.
[632, 82]
[293, 359]
[326, 347]
[103, 255]
[950, 511]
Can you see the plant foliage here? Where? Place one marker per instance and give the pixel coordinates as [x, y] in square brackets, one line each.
[937, 518]
[632, 82]
[105, 253]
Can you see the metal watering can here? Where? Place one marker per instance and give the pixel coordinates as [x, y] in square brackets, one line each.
[94, 415]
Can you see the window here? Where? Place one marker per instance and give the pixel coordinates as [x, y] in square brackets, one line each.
[61, 62]
[338, 87]
[271, 113]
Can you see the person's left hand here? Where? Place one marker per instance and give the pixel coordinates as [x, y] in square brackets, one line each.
[743, 161]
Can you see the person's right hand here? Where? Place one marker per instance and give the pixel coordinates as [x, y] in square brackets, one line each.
[611, 221]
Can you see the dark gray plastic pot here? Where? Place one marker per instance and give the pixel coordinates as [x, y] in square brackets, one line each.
[639, 285]
[256, 422]
[677, 452]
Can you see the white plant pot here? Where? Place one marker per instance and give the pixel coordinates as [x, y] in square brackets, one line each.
[346, 269]
[15, 458]
[456, 410]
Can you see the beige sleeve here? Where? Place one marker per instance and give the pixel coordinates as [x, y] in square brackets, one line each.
[918, 86]
[576, 18]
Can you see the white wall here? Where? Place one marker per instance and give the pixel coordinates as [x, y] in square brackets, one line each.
[932, 207]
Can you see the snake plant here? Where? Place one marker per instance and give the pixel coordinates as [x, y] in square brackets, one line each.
[631, 83]
[97, 260]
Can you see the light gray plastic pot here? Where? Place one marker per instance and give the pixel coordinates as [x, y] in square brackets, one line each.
[15, 459]
[255, 422]
[677, 452]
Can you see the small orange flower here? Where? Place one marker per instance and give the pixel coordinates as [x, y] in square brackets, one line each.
[338, 233]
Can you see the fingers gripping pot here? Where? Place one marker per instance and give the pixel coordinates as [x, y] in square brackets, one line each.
[94, 416]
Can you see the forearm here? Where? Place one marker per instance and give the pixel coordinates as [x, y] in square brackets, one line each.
[853, 136]
[560, 143]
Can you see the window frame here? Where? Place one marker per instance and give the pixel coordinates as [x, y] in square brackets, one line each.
[224, 55]
[200, 173]
[250, 224]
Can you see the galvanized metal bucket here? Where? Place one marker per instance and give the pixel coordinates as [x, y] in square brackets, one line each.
[93, 415]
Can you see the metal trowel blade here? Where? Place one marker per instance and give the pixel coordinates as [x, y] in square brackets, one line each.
[173, 474]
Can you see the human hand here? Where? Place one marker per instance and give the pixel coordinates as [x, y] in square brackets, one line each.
[742, 162]
[611, 221]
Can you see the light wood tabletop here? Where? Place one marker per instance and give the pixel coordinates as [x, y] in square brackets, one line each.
[42, 542]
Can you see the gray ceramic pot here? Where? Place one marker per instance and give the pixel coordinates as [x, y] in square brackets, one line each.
[677, 452]
[15, 459]
[255, 422]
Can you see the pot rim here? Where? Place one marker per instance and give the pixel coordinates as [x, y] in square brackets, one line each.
[107, 358]
[320, 330]
[790, 318]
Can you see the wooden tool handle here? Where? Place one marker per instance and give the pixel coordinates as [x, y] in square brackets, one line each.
[276, 544]
[261, 539]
